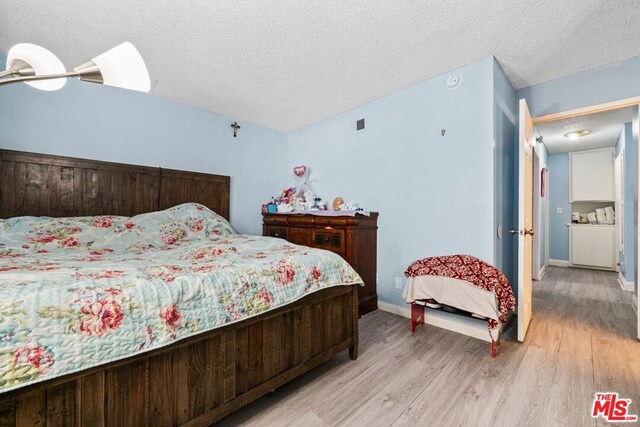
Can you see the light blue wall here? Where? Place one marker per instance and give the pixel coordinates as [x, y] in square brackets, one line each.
[608, 83]
[505, 120]
[559, 198]
[434, 193]
[100, 122]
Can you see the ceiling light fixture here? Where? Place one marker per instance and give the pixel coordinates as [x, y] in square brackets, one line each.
[27, 59]
[577, 133]
[121, 67]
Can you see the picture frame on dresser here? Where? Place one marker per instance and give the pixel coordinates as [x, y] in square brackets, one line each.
[352, 237]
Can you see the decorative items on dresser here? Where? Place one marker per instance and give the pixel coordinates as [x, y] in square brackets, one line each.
[353, 236]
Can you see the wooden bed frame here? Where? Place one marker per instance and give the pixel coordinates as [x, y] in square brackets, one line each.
[195, 381]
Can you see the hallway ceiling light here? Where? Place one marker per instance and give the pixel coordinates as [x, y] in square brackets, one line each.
[577, 133]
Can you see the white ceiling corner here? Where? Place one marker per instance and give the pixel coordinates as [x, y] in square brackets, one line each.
[286, 64]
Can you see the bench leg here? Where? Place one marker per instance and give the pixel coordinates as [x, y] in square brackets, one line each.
[417, 316]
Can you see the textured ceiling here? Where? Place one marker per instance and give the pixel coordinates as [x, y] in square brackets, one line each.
[605, 129]
[285, 64]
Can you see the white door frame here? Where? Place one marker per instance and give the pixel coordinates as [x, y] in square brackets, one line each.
[619, 204]
[547, 196]
[537, 200]
[635, 135]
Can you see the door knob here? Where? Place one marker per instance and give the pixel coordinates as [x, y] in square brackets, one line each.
[529, 232]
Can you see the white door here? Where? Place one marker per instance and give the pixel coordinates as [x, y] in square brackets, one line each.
[525, 219]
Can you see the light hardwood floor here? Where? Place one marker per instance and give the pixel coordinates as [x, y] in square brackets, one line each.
[581, 340]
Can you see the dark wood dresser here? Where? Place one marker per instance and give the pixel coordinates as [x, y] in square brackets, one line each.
[353, 238]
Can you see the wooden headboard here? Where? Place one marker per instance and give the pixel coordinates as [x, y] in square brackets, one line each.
[45, 185]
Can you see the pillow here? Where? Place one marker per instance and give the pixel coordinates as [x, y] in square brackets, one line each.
[47, 234]
[186, 222]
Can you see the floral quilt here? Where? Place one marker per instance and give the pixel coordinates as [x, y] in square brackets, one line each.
[80, 292]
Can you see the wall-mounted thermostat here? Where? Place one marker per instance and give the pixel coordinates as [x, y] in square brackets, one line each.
[452, 81]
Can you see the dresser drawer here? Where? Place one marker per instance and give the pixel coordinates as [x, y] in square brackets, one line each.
[306, 220]
[279, 232]
[300, 236]
[275, 219]
[332, 220]
[332, 240]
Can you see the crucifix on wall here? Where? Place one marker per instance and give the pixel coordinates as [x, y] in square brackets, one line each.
[235, 127]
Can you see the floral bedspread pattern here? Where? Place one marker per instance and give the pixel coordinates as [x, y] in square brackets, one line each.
[473, 270]
[79, 292]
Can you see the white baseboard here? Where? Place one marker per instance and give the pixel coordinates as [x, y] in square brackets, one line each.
[463, 325]
[395, 309]
[626, 286]
[559, 263]
[541, 272]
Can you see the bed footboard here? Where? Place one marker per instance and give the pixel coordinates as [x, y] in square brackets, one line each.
[201, 379]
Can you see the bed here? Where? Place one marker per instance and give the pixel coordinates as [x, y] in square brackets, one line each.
[461, 293]
[125, 326]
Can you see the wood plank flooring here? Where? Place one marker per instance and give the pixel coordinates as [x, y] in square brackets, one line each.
[581, 340]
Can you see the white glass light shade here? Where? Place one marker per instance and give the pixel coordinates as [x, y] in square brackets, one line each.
[123, 67]
[41, 60]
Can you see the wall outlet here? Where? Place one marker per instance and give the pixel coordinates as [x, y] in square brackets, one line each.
[559, 210]
[399, 283]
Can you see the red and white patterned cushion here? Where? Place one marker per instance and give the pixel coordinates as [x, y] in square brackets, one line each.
[473, 270]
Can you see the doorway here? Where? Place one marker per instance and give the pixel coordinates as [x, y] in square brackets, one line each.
[589, 233]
